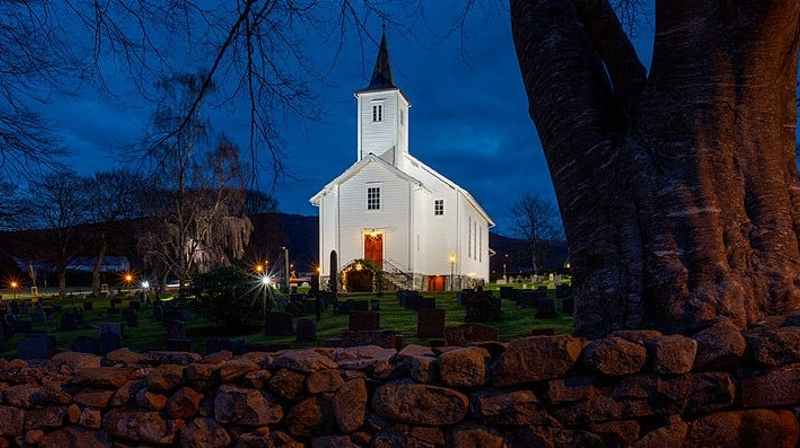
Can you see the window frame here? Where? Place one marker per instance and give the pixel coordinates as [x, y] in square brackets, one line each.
[438, 207]
[373, 197]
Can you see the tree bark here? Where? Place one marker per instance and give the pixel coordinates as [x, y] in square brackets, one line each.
[678, 188]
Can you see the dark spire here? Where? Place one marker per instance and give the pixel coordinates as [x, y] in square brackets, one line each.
[382, 73]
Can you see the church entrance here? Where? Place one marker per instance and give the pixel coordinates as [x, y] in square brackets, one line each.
[436, 283]
[373, 249]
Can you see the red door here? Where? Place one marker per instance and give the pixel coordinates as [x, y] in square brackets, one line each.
[373, 249]
[436, 283]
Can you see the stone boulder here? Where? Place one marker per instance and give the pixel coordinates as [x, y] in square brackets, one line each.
[141, 426]
[719, 346]
[754, 427]
[464, 367]
[536, 358]
[399, 401]
[246, 407]
[614, 356]
[776, 347]
[673, 354]
[349, 405]
[204, 433]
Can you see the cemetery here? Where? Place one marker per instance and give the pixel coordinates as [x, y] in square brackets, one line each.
[100, 325]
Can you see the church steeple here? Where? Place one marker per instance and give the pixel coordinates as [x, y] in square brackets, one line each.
[382, 73]
[383, 114]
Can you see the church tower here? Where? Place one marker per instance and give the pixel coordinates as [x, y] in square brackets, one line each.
[383, 114]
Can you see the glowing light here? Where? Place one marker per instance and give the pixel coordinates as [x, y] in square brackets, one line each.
[452, 259]
[266, 280]
[373, 233]
[145, 284]
[259, 268]
[14, 285]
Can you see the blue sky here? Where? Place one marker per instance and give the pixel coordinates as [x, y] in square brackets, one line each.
[468, 119]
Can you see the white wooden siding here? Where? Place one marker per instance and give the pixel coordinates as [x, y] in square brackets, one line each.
[392, 219]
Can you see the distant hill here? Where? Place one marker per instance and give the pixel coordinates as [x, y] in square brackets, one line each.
[272, 232]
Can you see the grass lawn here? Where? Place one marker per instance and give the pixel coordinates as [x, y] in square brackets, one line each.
[151, 334]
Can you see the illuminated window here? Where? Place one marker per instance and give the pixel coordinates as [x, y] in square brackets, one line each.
[438, 207]
[377, 113]
[373, 198]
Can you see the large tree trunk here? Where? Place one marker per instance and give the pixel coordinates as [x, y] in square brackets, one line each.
[678, 189]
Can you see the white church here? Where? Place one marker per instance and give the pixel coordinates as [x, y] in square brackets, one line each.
[390, 212]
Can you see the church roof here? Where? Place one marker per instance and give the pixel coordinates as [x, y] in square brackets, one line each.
[358, 166]
[382, 77]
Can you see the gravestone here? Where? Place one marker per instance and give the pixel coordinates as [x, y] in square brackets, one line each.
[546, 309]
[484, 307]
[466, 333]
[364, 321]
[109, 341]
[404, 294]
[135, 305]
[85, 344]
[176, 329]
[568, 306]
[375, 305]
[507, 292]
[528, 299]
[88, 306]
[278, 324]
[419, 302]
[111, 327]
[430, 323]
[306, 330]
[557, 280]
[464, 297]
[34, 347]
[381, 338]
[131, 317]
[116, 301]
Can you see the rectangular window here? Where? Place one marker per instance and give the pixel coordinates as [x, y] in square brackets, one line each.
[377, 113]
[469, 238]
[373, 198]
[438, 207]
[480, 245]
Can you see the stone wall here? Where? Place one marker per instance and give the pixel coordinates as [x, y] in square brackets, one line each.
[718, 387]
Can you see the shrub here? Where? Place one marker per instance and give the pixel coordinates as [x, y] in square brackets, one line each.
[229, 296]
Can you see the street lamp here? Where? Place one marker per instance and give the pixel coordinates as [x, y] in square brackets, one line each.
[452, 269]
[14, 287]
[129, 281]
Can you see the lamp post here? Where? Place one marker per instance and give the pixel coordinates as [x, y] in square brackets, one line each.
[129, 281]
[14, 286]
[452, 269]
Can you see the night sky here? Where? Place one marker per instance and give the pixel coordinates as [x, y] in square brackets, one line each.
[468, 119]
